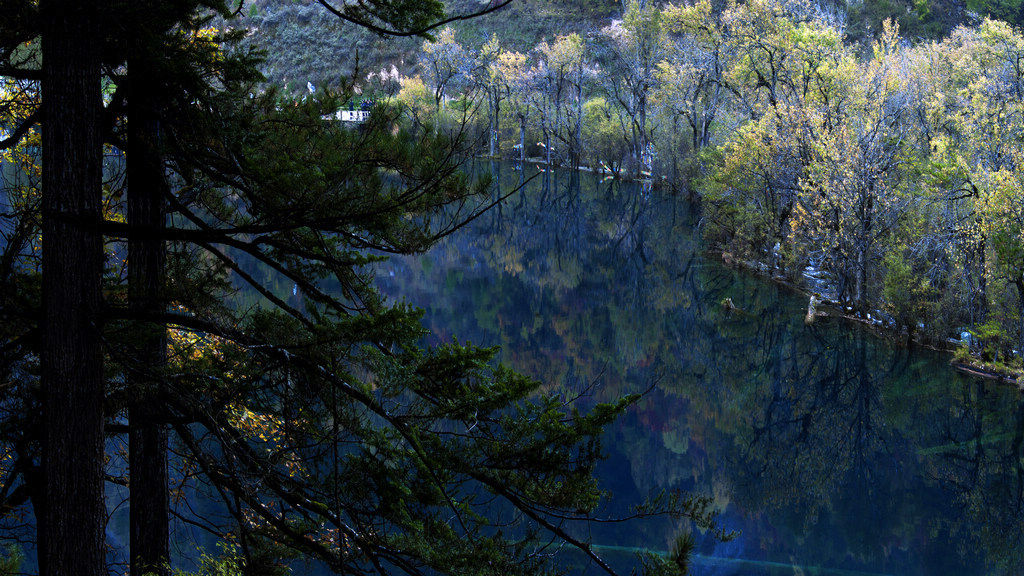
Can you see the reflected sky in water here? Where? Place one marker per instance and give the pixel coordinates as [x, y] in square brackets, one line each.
[828, 449]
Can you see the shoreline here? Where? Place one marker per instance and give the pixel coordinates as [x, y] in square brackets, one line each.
[973, 366]
[982, 370]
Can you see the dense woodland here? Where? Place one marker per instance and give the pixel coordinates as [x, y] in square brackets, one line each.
[159, 157]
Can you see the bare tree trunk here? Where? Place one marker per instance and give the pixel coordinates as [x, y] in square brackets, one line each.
[522, 141]
[860, 281]
[547, 145]
[710, 110]
[979, 304]
[74, 518]
[577, 148]
[493, 124]
[863, 241]
[149, 512]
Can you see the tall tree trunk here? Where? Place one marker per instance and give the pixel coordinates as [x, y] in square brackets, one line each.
[150, 510]
[522, 142]
[74, 519]
[495, 110]
[675, 152]
[547, 145]
[577, 147]
[557, 126]
[710, 109]
[860, 281]
[695, 128]
[642, 142]
[863, 241]
[981, 296]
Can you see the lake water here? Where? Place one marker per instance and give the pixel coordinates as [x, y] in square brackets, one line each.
[828, 449]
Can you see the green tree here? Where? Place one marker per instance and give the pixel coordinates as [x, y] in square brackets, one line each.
[514, 73]
[969, 97]
[854, 185]
[602, 139]
[633, 47]
[690, 79]
[905, 292]
[315, 416]
[487, 77]
[790, 77]
[564, 63]
[445, 63]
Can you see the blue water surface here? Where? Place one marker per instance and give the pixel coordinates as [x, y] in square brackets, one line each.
[827, 448]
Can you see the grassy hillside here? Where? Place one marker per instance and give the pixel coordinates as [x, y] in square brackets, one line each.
[304, 43]
[525, 23]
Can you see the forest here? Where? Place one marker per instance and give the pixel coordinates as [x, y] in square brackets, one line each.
[168, 167]
[883, 173]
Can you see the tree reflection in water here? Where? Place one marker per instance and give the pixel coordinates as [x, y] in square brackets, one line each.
[828, 447]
